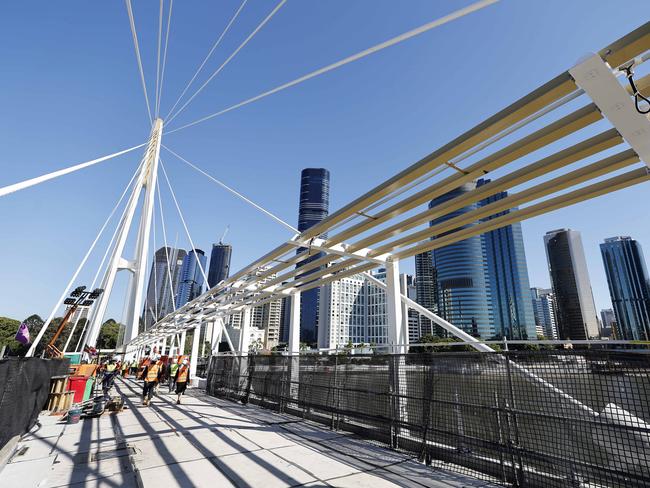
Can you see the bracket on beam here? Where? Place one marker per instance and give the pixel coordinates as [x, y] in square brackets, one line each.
[595, 77]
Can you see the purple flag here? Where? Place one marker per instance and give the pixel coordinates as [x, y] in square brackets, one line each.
[22, 335]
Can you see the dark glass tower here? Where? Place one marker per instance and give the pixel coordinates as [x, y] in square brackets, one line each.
[314, 207]
[629, 287]
[426, 290]
[219, 263]
[507, 274]
[191, 278]
[463, 288]
[576, 312]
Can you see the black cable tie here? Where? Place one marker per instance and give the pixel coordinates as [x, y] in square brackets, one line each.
[629, 74]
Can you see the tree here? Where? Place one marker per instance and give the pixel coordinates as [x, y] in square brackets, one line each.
[8, 329]
[108, 334]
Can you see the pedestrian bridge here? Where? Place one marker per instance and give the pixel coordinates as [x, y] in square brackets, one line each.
[208, 442]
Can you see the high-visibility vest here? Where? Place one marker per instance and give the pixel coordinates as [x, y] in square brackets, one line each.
[152, 372]
[173, 369]
[182, 374]
[110, 368]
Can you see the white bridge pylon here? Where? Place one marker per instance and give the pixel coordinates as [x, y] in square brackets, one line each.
[137, 267]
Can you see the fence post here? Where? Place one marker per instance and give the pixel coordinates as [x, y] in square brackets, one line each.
[510, 407]
[335, 393]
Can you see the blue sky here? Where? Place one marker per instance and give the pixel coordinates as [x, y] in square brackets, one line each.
[70, 92]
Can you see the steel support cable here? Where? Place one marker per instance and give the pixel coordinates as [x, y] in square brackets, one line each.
[154, 271]
[390, 42]
[164, 63]
[5, 190]
[234, 192]
[136, 45]
[160, 25]
[229, 58]
[205, 60]
[180, 214]
[39, 336]
[162, 221]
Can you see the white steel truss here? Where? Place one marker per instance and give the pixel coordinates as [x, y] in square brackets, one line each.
[387, 224]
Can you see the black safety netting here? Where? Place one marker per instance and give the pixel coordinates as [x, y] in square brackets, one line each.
[24, 389]
[524, 418]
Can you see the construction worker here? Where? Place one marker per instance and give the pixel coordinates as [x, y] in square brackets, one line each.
[151, 375]
[125, 369]
[173, 367]
[181, 379]
[110, 372]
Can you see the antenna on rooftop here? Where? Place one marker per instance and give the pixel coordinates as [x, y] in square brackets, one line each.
[223, 236]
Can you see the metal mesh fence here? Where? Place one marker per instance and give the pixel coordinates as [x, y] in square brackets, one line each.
[525, 418]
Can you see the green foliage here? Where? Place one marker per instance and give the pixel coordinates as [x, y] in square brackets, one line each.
[8, 329]
[108, 334]
[439, 344]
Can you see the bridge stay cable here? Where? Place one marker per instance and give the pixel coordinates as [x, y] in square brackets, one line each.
[21, 185]
[234, 192]
[70, 284]
[136, 46]
[189, 237]
[164, 62]
[362, 54]
[230, 58]
[160, 28]
[207, 57]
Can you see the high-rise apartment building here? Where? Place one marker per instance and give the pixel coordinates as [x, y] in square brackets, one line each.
[191, 277]
[219, 263]
[576, 312]
[543, 302]
[353, 309]
[408, 287]
[160, 299]
[629, 287]
[314, 207]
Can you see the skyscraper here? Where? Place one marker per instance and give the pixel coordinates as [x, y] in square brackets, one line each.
[219, 263]
[576, 312]
[314, 207]
[408, 287]
[426, 290]
[160, 300]
[629, 287]
[463, 293]
[507, 273]
[191, 277]
[609, 325]
[543, 301]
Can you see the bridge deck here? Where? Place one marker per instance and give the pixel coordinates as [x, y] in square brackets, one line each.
[208, 442]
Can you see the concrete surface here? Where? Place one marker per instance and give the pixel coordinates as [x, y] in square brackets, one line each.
[208, 442]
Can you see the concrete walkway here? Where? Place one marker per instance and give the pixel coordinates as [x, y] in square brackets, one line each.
[207, 442]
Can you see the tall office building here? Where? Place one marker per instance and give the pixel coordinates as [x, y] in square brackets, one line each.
[461, 270]
[191, 277]
[160, 299]
[608, 324]
[314, 207]
[576, 312]
[507, 273]
[426, 290]
[543, 302]
[219, 263]
[629, 287]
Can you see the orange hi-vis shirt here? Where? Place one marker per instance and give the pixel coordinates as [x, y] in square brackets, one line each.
[152, 372]
[182, 373]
